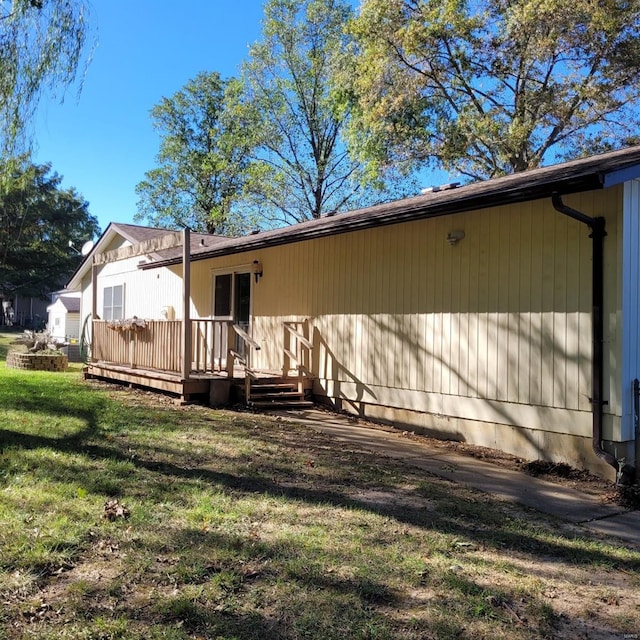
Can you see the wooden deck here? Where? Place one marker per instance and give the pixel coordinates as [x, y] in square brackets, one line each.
[158, 346]
[187, 357]
[156, 355]
[173, 383]
[212, 387]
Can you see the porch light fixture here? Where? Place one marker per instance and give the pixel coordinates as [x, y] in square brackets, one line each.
[453, 237]
[257, 269]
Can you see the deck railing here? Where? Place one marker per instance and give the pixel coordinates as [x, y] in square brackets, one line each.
[158, 345]
[209, 345]
[298, 350]
[242, 354]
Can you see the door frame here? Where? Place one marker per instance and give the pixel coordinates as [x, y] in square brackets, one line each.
[232, 271]
[221, 349]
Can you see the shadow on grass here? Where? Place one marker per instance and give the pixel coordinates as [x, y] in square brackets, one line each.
[471, 520]
[49, 400]
[355, 600]
[475, 522]
[315, 603]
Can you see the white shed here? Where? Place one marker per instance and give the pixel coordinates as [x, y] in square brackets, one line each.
[64, 317]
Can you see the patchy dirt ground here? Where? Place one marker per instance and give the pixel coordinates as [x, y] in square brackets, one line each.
[557, 472]
[134, 567]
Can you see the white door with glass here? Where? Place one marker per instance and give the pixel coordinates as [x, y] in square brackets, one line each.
[232, 301]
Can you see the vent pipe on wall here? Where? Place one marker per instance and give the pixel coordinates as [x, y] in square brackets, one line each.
[624, 474]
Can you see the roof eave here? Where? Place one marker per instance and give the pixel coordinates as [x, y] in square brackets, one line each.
[449, 203]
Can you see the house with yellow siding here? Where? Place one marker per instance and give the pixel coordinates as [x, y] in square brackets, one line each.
[503, 313]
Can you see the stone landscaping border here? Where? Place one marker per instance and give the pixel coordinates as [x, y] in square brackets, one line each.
[37, 361]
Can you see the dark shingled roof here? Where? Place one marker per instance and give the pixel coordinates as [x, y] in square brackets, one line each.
[586, 174]
[71, 303]
[134, 234]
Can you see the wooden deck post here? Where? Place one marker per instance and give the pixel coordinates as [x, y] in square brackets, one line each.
[186, 303]
[132, 348]
[94, 290]
[231, 337]
[94, 303]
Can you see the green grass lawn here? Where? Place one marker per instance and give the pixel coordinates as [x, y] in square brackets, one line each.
[237, 526]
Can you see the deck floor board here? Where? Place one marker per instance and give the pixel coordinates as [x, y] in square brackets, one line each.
[197, 384]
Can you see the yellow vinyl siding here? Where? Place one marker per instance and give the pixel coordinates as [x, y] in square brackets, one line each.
[400, 316]
[469, 351]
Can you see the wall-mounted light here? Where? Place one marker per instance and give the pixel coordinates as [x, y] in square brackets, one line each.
[257, 269]
[453, 237]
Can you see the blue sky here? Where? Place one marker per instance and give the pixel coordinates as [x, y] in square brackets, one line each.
[102, 143]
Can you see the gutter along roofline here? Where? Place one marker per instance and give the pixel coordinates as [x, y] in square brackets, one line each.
[577, 176]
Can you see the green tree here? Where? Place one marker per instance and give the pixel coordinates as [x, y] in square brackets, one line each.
[490, 87]
[41, 43]
[301, 167]
[202, 160]
[38, 220]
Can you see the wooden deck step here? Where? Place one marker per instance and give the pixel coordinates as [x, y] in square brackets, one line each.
[271, 393]
[276, 395]
[291, 404]
[282, 386]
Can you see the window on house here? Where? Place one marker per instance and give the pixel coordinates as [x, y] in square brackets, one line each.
[113, 303]
[223, 296]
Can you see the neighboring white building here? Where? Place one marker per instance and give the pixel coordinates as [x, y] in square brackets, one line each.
[64, 317]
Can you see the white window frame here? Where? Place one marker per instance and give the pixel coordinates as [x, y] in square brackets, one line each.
[107, 310]
[233, 272]
[217, 274]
